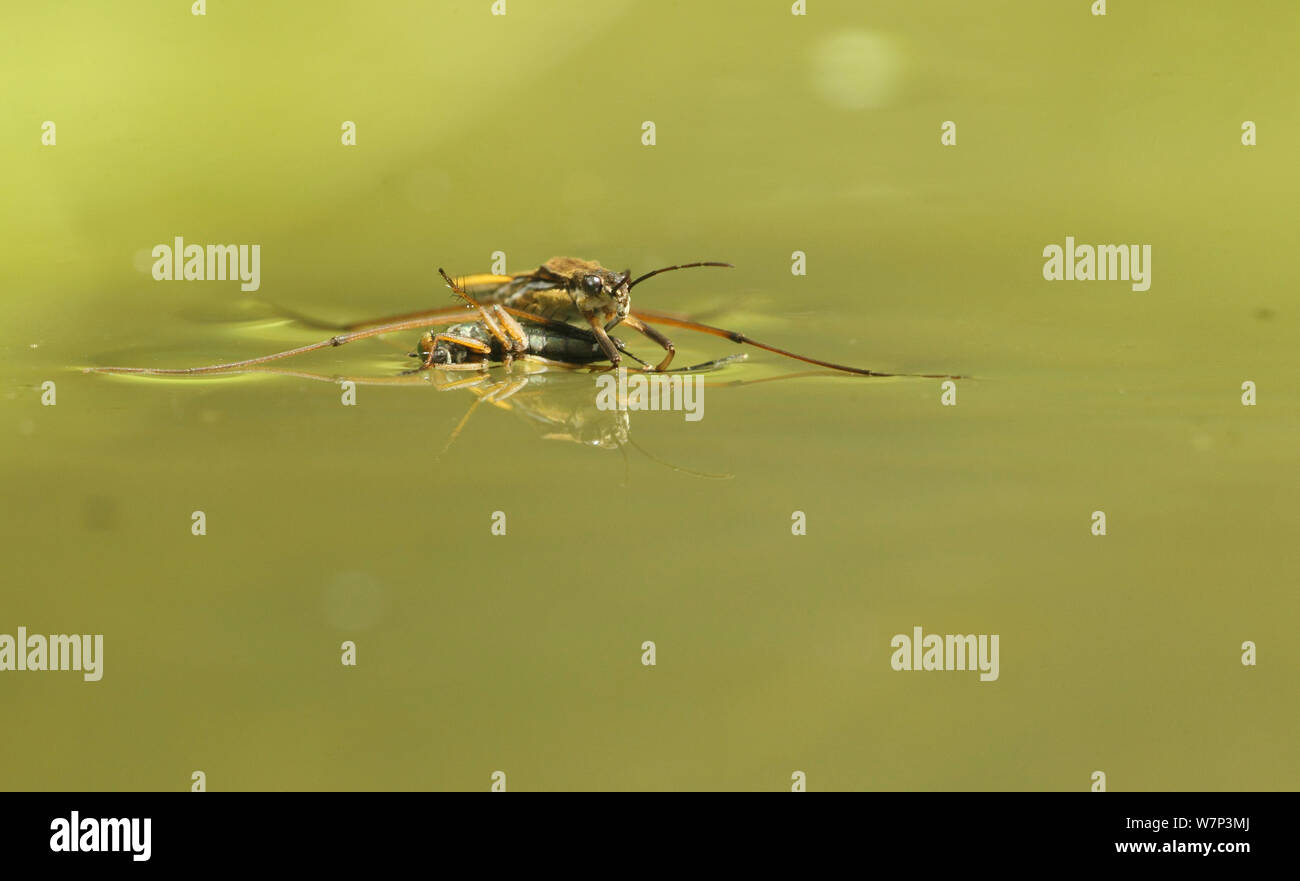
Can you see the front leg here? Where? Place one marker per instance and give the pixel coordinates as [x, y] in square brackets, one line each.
[606, 344]
[670, 350]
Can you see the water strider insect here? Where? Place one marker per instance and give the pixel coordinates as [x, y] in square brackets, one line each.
[560, 289]
[497, 336]
[565, 289]
[571, 289]
[568, 289]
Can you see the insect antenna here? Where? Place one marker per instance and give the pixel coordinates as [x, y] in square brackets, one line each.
[679, 266]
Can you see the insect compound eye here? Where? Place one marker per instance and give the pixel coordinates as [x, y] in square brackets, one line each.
[592, 284]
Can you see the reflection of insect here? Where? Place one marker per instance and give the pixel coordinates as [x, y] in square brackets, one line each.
[562, 408]
[561, 288]
[559, 404]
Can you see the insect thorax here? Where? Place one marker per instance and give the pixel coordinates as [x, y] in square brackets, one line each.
[555, 303]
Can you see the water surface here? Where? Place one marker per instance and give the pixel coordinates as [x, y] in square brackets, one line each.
[522, 652]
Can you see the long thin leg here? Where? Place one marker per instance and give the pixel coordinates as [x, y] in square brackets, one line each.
[486, 282]
[415, 321]
[506, 331]
[637, 324]
[736, 337]
[452, 313]
[340, 340]
[512, 328]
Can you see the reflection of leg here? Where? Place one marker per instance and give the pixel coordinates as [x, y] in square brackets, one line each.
[567, 365]
[460, 426]
[504, 390]
[496, 394]
[442, 383]
[637, 324]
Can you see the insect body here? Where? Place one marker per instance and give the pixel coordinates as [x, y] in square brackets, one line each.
[571, 289]
[499, 337]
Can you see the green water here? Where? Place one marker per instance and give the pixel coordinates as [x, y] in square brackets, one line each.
[522, 653]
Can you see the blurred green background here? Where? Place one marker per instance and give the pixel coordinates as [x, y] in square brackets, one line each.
[522, 133]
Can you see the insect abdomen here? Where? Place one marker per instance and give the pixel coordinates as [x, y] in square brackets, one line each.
[578, 348]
